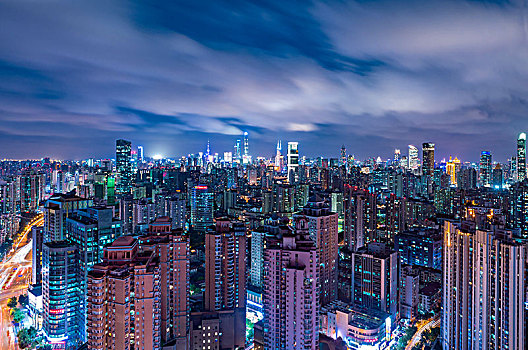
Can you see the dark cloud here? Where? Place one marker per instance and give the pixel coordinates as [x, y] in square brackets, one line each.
[374, 75]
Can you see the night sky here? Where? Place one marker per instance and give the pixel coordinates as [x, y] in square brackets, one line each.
[169, 75]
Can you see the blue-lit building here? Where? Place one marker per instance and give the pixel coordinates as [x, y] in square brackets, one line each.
[202, 201]
[421, 247]
[63, 321]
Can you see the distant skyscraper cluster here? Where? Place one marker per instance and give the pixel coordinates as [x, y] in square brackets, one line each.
[236, 251]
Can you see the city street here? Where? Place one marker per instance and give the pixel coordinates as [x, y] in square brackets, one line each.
[418, 335]
[15, 275]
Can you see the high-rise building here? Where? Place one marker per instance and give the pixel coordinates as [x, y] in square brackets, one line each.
[521, 157]
[290, 293]
[413, 158]
[123, 166]
[171, 247]
[225, 266]
[278, 157]
[293, 161]
[225, 276]
[343, 160]
[320, 224]
[360, 216]
[141, 157]
[375, 279]
[202, 201]
[409, 288]
[37, 240]
[63, 321]
[497, 177]
[484, 288]
[31, 191]
[428, 160]
[452, 169]
[485, 168]
[57, 208]
[124, 299]
[421, 247]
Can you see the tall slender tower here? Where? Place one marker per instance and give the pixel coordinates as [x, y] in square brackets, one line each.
[428, 160]
[278, 156]
[413, 159]
[485, 168]
[521, 157]
[124, 166]
[293, 160]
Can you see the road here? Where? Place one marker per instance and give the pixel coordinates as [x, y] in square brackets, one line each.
[15, 276]
[418, 335]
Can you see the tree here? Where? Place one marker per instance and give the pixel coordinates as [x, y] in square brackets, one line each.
[27, 337]
[18, 316]
[23, 300]
[12, 303]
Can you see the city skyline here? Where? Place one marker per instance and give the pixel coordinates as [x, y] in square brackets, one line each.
[76, 76]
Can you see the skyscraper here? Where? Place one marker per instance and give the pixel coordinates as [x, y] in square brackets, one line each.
[484, 288]
[123, 166]
[413, 158]
[225, 266]
[278, 157]
[320, 224]
[202, 201]
[290, 294]
[225, 277]
[485, 168]
[428, 159]
[141, 157]
[63, 320]
[521, 157]
[293, 161]
[246, 158]
[343, 159]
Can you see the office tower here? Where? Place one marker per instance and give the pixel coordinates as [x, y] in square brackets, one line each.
[225, 276]
[485, 168]
[31, 190]
[413, 158]
[238, 150]
[484, 288]
[428, 160]
[375, 279]
[290, 293]
[452, 169]
[397, 156]
[202, 201]
[420, 247]
[409, 288]
[320, 224]
[246, 158]
[37, 240]
[343, 158]
[360, 216]
[57, 208]
[171, 247]
[141, 157]
[293, 161]
[519, 208]
[124, 299]
[123, 166]
[63, 322]
[225, 266]
[497, 177]
[283, 197]
[521, 157]
[278, 157]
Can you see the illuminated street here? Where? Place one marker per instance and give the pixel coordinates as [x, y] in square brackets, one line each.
[15, 282]
[422, 328]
